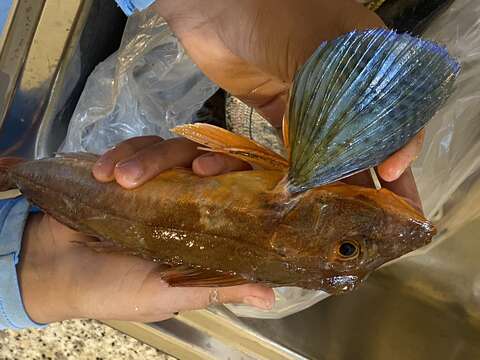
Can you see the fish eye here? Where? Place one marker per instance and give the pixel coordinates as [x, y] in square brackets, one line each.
[348, 250]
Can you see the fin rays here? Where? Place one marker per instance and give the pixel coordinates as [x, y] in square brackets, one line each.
[360, 98]
[219, 140]
[357, 100]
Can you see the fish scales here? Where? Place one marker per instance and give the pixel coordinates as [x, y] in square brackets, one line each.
[233, 223]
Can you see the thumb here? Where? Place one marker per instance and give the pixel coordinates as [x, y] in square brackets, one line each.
[211, 164]
[393, 167]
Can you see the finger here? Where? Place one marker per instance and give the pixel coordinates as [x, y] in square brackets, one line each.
[211, 164]
[406, 187]
[103, 170]
[152, 160]
[395, 165]
[184, 299]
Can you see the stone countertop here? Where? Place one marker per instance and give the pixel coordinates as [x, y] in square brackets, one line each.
[74, 339]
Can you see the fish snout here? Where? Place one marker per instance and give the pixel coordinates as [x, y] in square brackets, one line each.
[339, 284]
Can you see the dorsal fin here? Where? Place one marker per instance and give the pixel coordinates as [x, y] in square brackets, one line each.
[223, 141]
[360, 98]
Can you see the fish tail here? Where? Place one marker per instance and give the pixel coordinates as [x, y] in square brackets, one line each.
[223, 141]
[6, 164]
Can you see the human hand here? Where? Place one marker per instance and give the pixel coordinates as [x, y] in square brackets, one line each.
[253, 48]
[150, 155]
[137, 160]
[60, 278]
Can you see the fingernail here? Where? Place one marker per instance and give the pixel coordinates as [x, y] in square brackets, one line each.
[258, 302]
[104, 167]
[397, 173]
[391, 174]
[130, 170]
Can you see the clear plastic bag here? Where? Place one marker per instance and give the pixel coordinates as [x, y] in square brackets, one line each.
[450, 160]
[147, 87]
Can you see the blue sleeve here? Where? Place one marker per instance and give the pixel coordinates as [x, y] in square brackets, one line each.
[130, 6]
[13, 216]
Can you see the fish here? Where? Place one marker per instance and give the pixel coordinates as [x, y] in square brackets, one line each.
[291, 221]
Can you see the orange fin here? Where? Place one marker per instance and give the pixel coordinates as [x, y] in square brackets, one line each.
[223, 141]
[286, 139]
[192, 277]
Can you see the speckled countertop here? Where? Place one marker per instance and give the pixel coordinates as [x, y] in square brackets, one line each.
[74, 339]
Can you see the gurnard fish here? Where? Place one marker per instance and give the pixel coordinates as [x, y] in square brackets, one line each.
[290, 222]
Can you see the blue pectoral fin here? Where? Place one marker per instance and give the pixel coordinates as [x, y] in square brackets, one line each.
[359, 99]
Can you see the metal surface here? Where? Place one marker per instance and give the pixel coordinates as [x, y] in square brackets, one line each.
[19, 31]
[49, 48]
[180, 340]
[208, 334]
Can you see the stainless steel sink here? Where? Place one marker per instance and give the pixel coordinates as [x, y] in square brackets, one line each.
[423, 307]
[49, 49]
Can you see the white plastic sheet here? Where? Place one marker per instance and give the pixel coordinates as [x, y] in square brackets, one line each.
[450, 159]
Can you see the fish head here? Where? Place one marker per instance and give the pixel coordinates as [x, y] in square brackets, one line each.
[350, 231]
[364, 244]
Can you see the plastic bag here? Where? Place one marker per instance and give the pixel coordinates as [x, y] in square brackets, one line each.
[147, 87]
[450, 160]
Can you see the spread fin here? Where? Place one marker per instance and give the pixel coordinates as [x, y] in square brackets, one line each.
[359, 99]
[222, 141]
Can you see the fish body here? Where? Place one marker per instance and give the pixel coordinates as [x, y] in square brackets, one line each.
[358, 99]
[236, 224]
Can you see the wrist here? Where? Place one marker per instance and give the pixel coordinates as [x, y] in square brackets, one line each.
[45, 301]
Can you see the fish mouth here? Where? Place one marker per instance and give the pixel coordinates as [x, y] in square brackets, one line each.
[340, 284]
